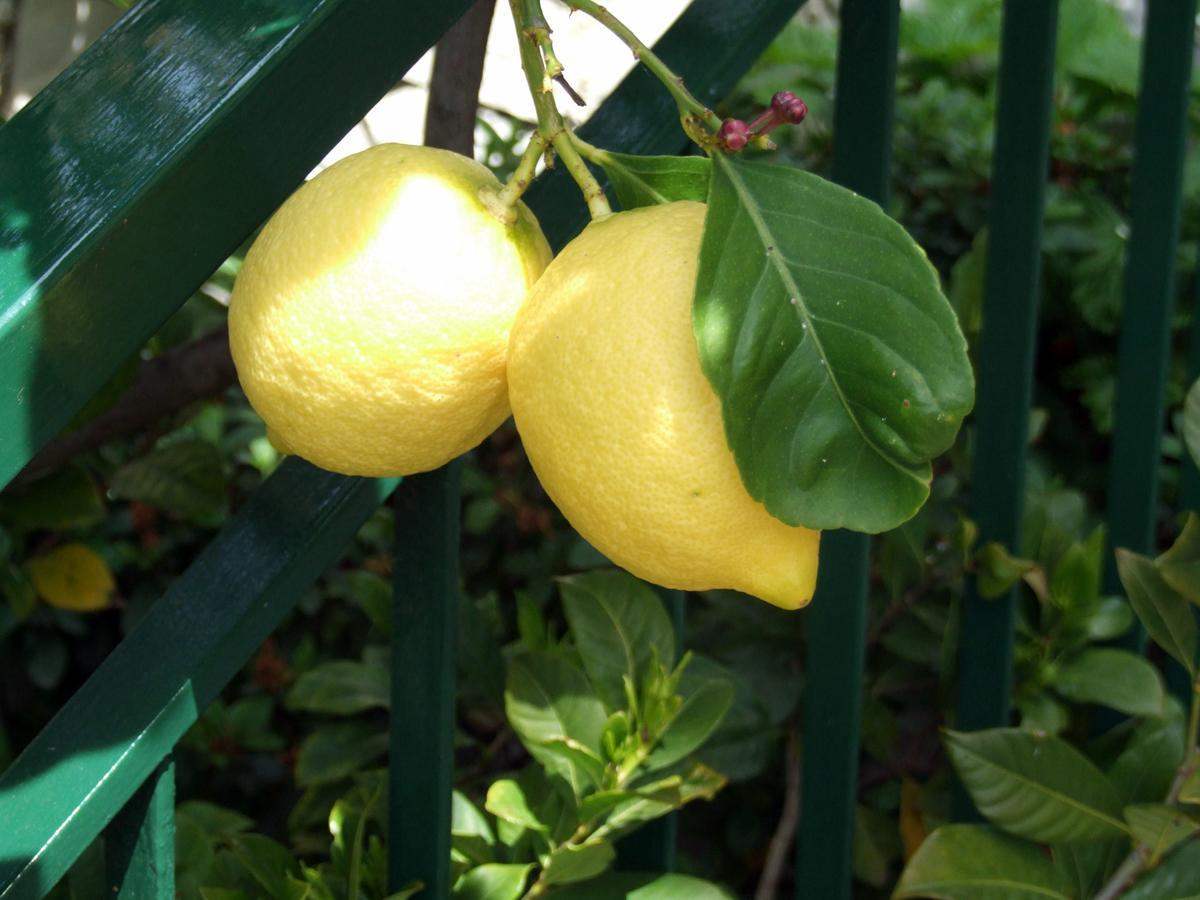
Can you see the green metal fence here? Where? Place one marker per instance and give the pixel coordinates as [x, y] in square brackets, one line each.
[183, 128]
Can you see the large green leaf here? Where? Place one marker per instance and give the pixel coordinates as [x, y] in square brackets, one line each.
[548, 700]
[578, 862]
[1036, 786]
[840, 366]
[1177, 878]
[1114, 678]
[493, 881]
[974, 862]
[1168, 618]
[642, 886]
[617, 623]
[1180, 565]
[343, 687]
[64, 499]
[647, 180]
[184, 478]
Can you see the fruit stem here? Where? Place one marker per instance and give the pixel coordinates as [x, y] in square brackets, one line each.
[522, 176]
[533, 37]
[698, 120]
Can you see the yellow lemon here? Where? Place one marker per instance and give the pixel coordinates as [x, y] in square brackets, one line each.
[369, 323]
[621, 425]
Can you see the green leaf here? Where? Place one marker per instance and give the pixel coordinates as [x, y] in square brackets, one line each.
[1036, 786]
[506, 800]
[1144, 770]
[1180, 565]
[1191, 421]
[1189, 791]
[703, 708]
[617, 622]
[1168, 618]
[654, 800]
[61, 500]
[342, 688]
[184, 478]
[1110, 618]
[840, 366]
[268, 862]
[1158, 828]
[974, 862]
[1114, 678]
[1041, 712]
[998, 570]
[1177, 878]
[493, 881]
[643, 886]
[531, 624]
[1076, 581]
[335, 751]
[647, 180]
[466, 819]
[547, 699]
[577, 862]
[214, 820]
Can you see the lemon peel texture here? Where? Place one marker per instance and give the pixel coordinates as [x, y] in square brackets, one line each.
[369, 323]
[622, 427]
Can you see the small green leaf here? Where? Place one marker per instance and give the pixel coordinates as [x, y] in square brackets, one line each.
[1114, 678]
[1076, 581]
[1145, 768]
[342, 688]
[506, 800]
[974, 862]
[184, 478]
[998, 570]
[466, 819]
[577, 862]
[1159, 828]
[268, 862]
[1168, 618]
[531, 624]
[647, 180]
[214, 820]
[493, 881]
[61, 500]
[822, 328]
[335, 751]
[547, 699]
[703, 708]
[1036, 786]
[642, 886]
[1110, 618]
[1041, 712]
[1176, 878]
[1189, 791]
[1180, 565]
[617, 622]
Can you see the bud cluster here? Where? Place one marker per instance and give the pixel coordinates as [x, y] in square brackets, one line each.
[785, 109]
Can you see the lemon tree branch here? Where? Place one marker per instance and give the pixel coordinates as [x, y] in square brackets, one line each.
[530, 23]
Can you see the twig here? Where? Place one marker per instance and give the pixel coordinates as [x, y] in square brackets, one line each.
[779, 851]
[454, 85]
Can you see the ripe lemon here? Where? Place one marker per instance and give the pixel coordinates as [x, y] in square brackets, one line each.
[621, 425]
[369, 323]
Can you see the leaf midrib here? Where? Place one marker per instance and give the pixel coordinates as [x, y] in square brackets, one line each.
[785, 275]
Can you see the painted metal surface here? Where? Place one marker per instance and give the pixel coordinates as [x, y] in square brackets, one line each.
[1149, 289]
[421, 764]
[1005, 376]
[139, 844]
[868, 42]
[126, 181]
[98, 750]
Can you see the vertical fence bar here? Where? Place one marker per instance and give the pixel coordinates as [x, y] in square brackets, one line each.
[1026, 84]
[652, 849]
[139, 843]
[836, 627]
[421, 764]
[1144, 353]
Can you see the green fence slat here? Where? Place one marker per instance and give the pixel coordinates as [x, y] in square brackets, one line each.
[1149, 288]
[107, 740]
[127, 181]
[1023, 116]
[421, 766]
[711, 45]
[835, 634]
[139, 844]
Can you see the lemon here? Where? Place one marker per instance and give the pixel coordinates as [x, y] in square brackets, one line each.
[622, 427]
[369, 323]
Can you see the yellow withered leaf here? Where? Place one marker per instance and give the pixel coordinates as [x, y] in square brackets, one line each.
[73, 577]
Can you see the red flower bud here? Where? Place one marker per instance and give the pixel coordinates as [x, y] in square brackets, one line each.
[734, 134]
